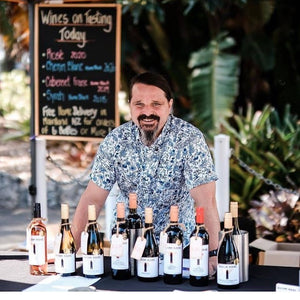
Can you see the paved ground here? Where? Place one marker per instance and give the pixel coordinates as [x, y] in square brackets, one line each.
[13, 225]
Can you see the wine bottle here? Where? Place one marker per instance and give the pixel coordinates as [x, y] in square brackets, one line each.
[173, 250]
[120, 265]
[134, 220]
[199, 240]
[134, 224]
[37, 240]
[147, 266]
[235, 219]
[65, 257]
[92, 252]
[228, 258]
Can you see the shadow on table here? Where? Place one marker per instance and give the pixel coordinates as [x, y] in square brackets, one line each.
[11, 286]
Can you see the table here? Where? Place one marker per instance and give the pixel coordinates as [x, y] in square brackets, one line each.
[14, 276]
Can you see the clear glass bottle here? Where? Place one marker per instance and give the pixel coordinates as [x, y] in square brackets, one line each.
[37, 240]
[228, 258]
[147, 266]
[173, 255]
[199, 240]
[93, 255]
[65, 258]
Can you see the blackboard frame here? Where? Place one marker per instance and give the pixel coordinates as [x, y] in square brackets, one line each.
[38, 69]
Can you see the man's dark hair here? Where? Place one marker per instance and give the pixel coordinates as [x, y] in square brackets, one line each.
[151, 78]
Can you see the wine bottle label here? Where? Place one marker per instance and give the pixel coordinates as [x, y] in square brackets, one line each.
[228, 274]
[116, 245]
[84, 240]
[37, 250]
[199, 265]
[173, 259]
[93, 264]
[121, 262]
[138, 248]
[162, 242]
[147, 267]
[57, 242]
[65, 263]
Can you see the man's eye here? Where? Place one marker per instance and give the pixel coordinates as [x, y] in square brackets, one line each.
[138, 104]
[156, 104]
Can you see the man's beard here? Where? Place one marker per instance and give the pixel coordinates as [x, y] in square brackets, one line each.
[148, 136]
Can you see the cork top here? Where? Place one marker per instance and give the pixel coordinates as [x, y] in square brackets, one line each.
[120, 210]
[148, 215]
[174, 211]
[132, 200]
[234, 209]
[64, 211]
[199, 215]
[228, 221]
[91, 212]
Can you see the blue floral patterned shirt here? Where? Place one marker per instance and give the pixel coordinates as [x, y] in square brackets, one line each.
[162, 174]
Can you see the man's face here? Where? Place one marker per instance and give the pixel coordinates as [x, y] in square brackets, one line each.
[149, 109]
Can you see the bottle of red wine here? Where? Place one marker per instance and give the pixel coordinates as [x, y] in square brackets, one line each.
[147, 266]
[173, 250]
[228, 258]
[65, 258]
[92, 252]
[134, 224]
[199, 240]
[235, 217]
[37, 240]
[119, 251]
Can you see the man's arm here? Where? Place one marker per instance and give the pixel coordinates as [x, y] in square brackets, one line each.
[92, 195]
[205, 196]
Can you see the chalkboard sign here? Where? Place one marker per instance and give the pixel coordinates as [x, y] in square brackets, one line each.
[77, 70]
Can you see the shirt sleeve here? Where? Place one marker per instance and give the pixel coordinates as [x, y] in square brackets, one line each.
[103, 171]
[199, 167]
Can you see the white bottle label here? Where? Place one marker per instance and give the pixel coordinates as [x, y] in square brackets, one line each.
[65, 263]
[37, 251]
[228, 274]
[173, 259]
[147, 267]
[199, 265]
[121, 262]
[93, 264]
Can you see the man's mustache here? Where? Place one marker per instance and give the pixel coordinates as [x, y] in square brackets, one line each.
[143, 117]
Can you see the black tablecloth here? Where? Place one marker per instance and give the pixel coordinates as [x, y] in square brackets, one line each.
[14, 276]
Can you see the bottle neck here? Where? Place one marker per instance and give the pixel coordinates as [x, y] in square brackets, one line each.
[147, 225]
[120, 219]
[235, 223]
[132, 211]
[65, 223]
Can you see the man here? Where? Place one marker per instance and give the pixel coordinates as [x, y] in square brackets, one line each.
[164, 159]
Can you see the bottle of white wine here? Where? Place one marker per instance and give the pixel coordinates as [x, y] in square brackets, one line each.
[228, 258]
[37, 240]
[199, 240]
[92, 252]
[134, 224]
[235, 217]
[147, 266]
[65, 257]
[173, 249]
[119, 249]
